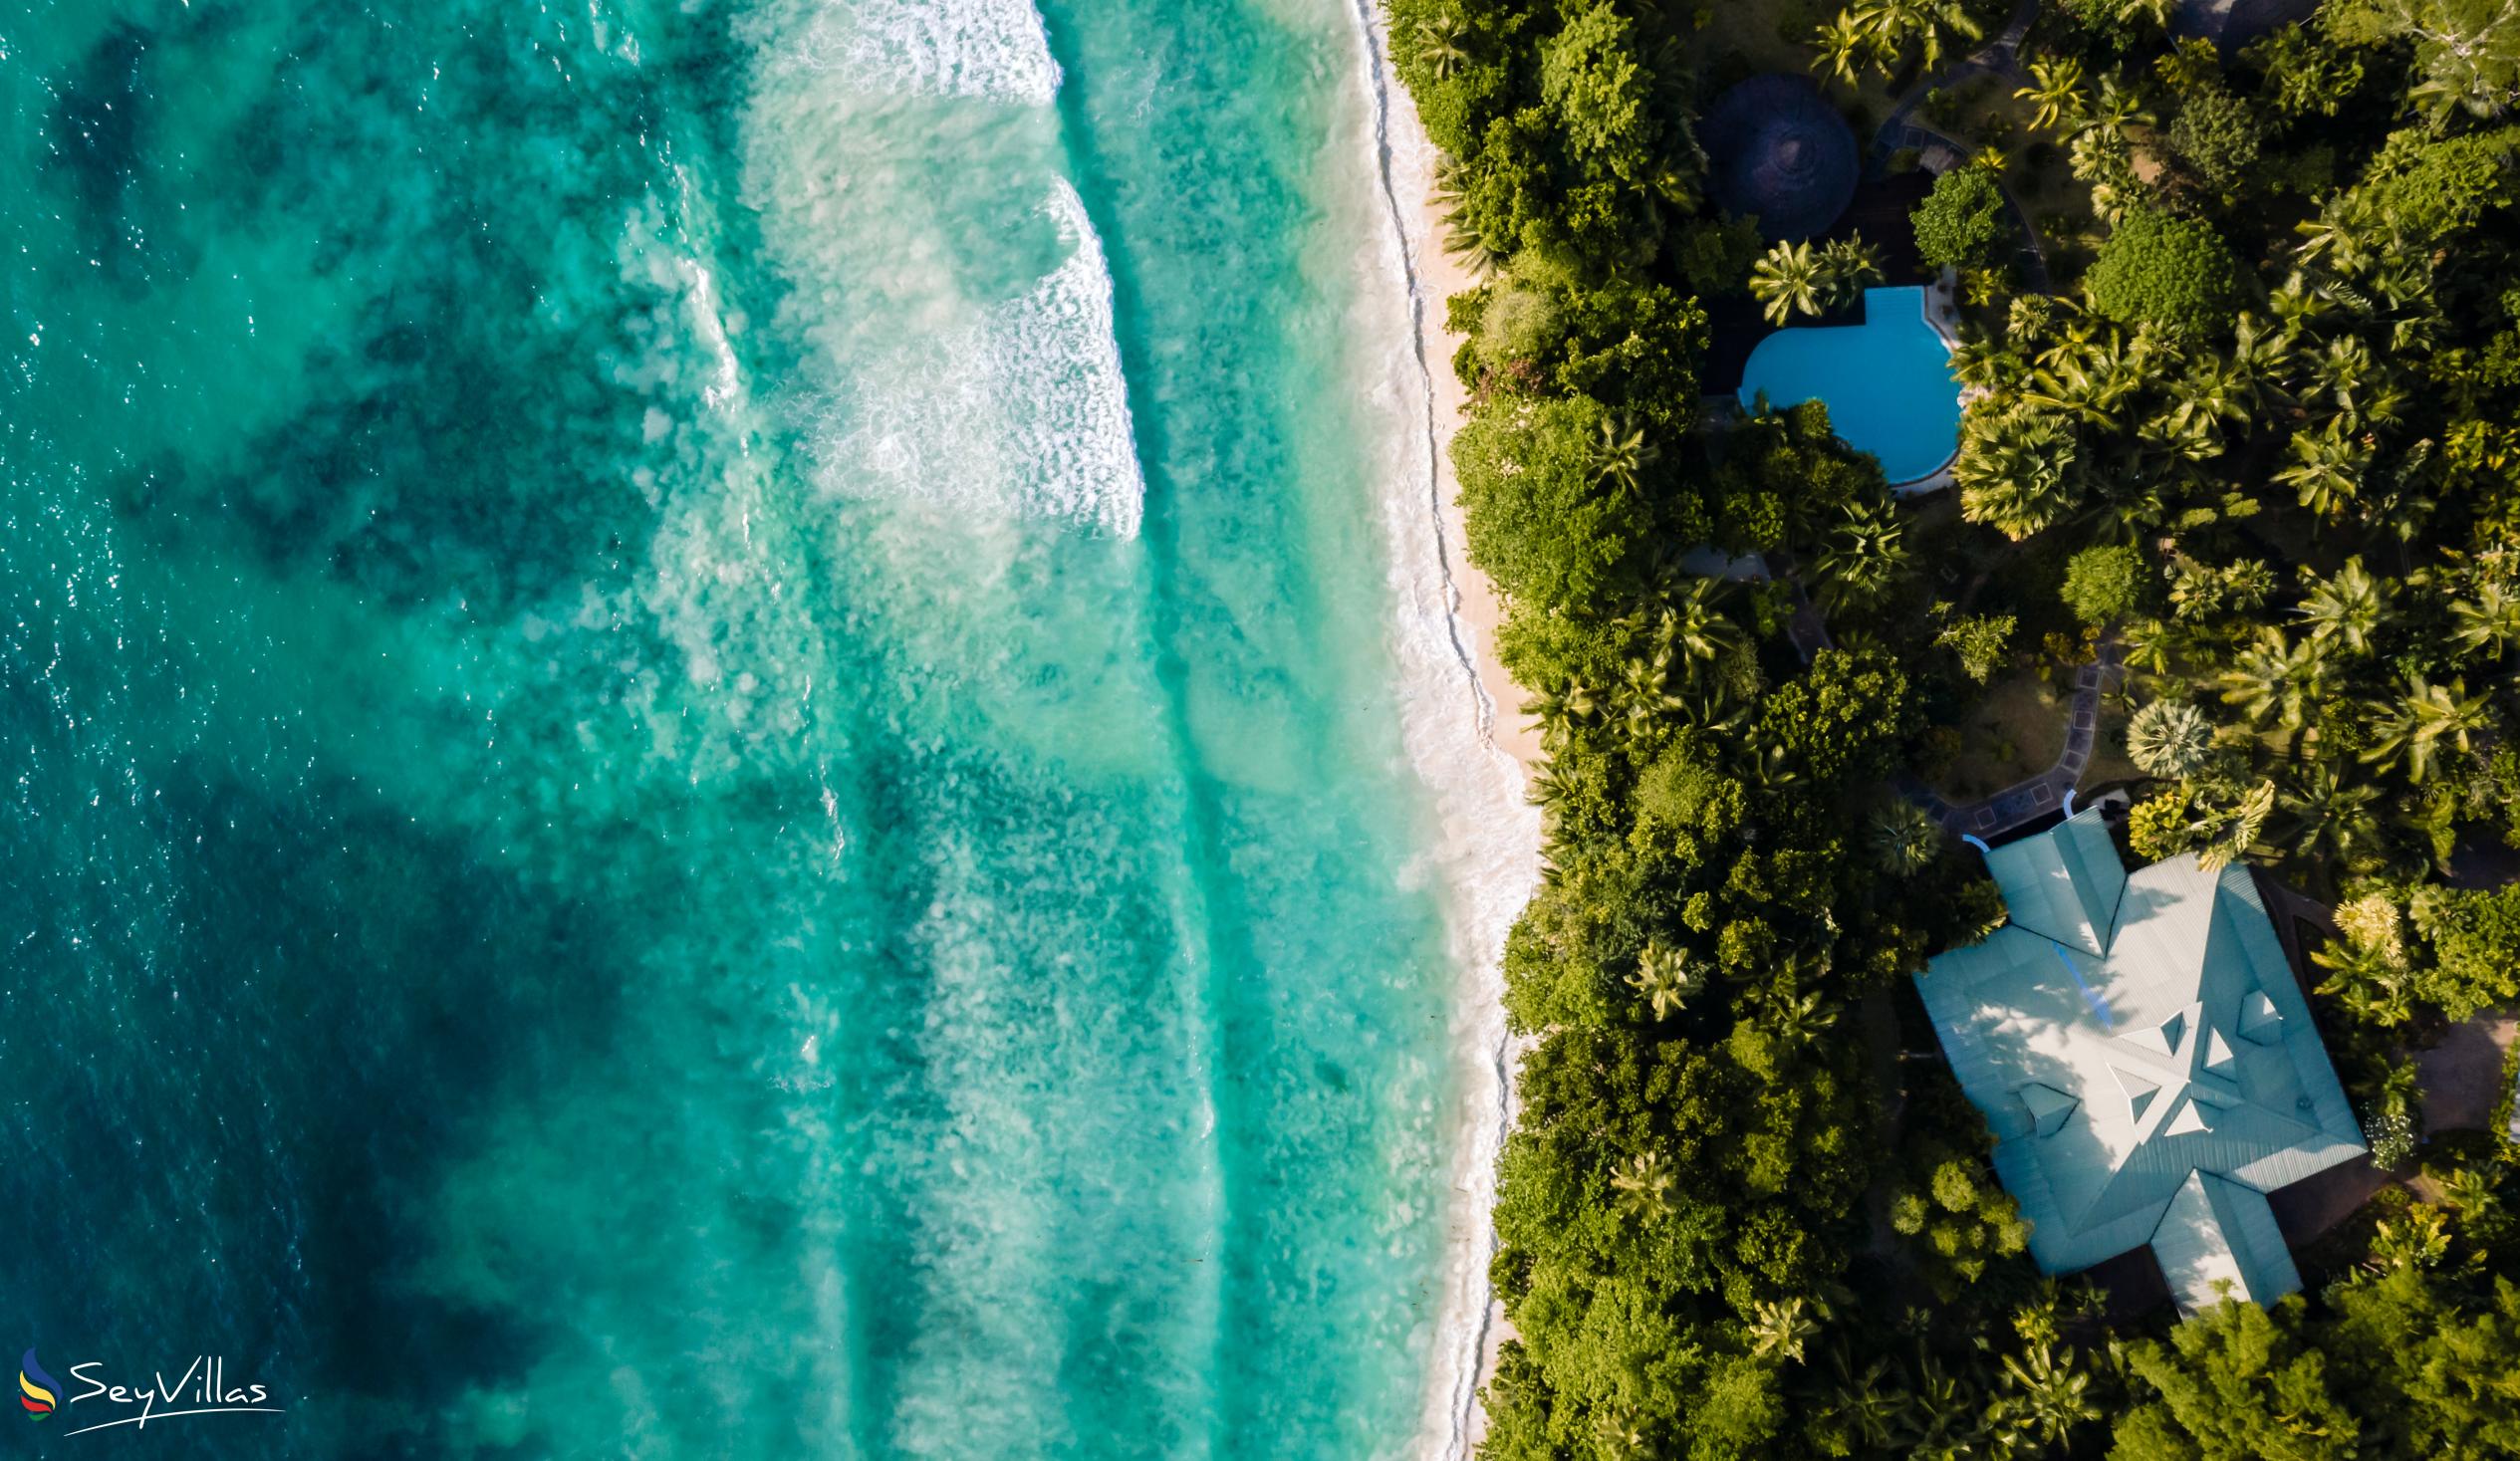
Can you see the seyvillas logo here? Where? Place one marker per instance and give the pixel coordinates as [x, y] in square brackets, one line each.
[202, 1388]
[37, 1391]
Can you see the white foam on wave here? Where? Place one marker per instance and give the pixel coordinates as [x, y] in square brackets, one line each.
[1024, 414]
[996, 50]
[1488, 844]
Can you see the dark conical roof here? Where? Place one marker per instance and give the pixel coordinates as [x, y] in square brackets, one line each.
[1780, 152]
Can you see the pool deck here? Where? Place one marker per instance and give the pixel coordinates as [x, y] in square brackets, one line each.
[1942, 316]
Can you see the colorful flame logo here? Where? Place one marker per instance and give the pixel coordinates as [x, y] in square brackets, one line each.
[37, 1391]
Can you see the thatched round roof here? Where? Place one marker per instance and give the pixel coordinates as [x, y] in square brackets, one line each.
[1781, 153]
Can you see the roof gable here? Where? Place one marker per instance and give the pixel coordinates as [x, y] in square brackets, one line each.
[2179, 1047]
[2064, 884]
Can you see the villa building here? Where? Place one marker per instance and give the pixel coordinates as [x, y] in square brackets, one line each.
[2145, 1060]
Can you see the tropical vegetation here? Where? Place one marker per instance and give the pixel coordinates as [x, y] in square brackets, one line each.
[2255, 437]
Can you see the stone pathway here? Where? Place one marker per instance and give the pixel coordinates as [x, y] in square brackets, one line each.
[2029, 800]
[1807, 632]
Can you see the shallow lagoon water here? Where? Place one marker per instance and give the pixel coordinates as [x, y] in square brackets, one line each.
[704, 750]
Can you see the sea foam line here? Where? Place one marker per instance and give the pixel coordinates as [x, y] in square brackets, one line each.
[1490, 833]
[1024, 414]
[992, 48]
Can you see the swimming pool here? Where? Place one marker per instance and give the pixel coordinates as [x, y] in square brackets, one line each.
[1888, 382]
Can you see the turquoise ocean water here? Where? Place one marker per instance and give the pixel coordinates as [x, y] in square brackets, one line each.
[705, 750]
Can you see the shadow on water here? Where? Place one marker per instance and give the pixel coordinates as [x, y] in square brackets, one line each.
[235, 1101]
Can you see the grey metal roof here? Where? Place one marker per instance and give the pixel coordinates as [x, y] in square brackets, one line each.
[2160, 1007]
[2064, 885]
[2218, 1240]
[1781, 153]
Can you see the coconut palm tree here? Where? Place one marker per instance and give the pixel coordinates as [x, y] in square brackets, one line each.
[1643, 1184]
[2327, 468]
[2019, 470]
[2488, 624]
[1863, 559]
[1843, 47]
[2328, 818]
[2261, 358]
[2056, 88]
[2170, 738]
[1622, 452]
[2348, 609]
[2231, 834]
[2278, 681]
[1440, 42]
[2412, 730]
[1790, 279]
[1564, 711]
[1694, 629]
[1872, 1407]
[2373, 987]
[1983, 362]
[2046, 1395]
[1852, 264]
[2298, 303]
[1643, 692]
[1903, 838]
[2119, 108]
[1780, 1328]
[1665, 978]
[2362, 392]
[1799, 1019]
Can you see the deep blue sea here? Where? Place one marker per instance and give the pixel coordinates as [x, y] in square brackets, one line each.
[710, 743]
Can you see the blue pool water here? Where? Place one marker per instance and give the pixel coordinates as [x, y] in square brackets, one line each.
[1887, 382]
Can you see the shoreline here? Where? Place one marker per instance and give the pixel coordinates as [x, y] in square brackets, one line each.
[1477, 757]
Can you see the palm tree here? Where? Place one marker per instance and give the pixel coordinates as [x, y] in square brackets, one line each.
[1782, 1329]
[1440, 41]
[2018, 470]
[2056, 86]
[2373, 988]
[1863, 559]
[2275, 680]
[1945, 1421]
[1789, 279]
[2298, 303]
[1620, 453]
[1563, 711]
[1691, 627]
[1983, 362]
[1843, 47]
[2170, 738]
[2348, 609]
[2046, 1395]
[1665, 978]
[2413, 730]
[2327, 816]
[2234, 833]
[1904, 839]
[2120, 108]
[1643, 691]
[1643, 1184]
[2261, 358]
[2488, 623]
[1799, 1019]
[2363, 392]
[1851, 265]
[1871, 1408]
[2327, 468]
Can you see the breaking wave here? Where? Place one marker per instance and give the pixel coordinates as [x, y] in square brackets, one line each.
[1024, 414]
[992, 48]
